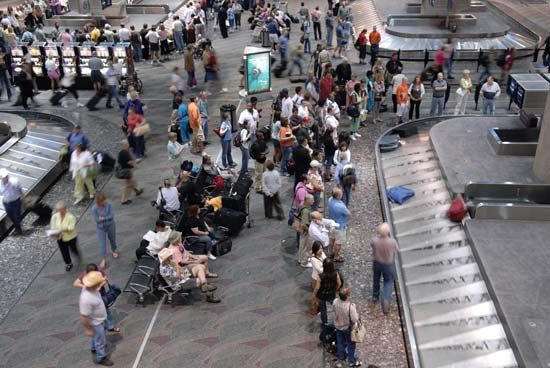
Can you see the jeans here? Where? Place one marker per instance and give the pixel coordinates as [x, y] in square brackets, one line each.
[104, 231]
[316, 201]
[307, 45]
[138, 56]
[5, 82]
[113, 92]
[317, 31]
[205, 128]
[98, 342]
[486, 72]
[346, 194]
[437, 102]
[287, 151]
[449, 67]
[330, 31]
[244, 162]
[545, 59]
[415, 107]
[190, 76]
[139, 146]
[388, 272]
[323, 310]
[13, 210]
[206, 239]
[226, 153]
[488, 107]
[65, 247]
[343, 341]
[178, 40]
[109, 322]
[373, 53]
[238, 20]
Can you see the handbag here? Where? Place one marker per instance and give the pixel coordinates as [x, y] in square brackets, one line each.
[353, 111]
[291, 216]
[110, 296]
[459, 91]
[142, 129]
[314, 306]
[122, 173]
[358, 330]
[218, 132]
[297, 222]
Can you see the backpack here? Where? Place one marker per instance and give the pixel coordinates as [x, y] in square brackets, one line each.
[186, 166]
[458, 210]
[218, 182]
[237, 140]
[348, 175]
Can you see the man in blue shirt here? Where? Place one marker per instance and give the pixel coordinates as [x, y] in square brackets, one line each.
[76, 138]
[339, 213]
[283, 48]
[345, 178]
[12, 192]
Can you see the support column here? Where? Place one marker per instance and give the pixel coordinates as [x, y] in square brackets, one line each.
[542, 156]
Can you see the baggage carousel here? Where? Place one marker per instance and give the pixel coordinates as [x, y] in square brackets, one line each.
[29, 151]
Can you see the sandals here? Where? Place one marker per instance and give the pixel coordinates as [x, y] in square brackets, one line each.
[358, 363]
[115, 255]
[114, 329]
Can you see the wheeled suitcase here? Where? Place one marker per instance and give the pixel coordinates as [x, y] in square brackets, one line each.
[55, 100]
[91, 104]
[242, 186]
[389, 143]
[230, 219]
[105, 160]
[406, 131]
[222, 246]
[235, 202]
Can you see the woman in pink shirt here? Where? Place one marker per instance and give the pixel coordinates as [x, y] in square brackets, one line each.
[65, 37]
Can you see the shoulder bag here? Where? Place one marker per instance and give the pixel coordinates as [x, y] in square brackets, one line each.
[122, 173]
[358, 330]
[142, 129]
[110, 294]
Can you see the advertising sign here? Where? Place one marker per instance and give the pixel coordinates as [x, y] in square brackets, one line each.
[257, 70]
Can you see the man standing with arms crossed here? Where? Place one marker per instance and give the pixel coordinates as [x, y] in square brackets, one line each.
[374, 40]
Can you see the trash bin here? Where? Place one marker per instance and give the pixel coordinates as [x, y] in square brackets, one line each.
[264, 36]
[232, 111]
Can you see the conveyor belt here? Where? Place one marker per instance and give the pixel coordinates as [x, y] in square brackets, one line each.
[453, 318]
[33, 157]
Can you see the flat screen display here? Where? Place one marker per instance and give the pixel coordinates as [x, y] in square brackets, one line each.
[258, 72]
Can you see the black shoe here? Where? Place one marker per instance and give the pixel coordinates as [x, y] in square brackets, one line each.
[127, 202]
[68, 267]
[92, 351]
[106, 362]
[93, 109]
[109, 106]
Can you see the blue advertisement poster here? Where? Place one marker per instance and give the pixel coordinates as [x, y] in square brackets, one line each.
[258, 72]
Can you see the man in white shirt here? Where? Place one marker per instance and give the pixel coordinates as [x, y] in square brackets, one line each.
[287, 105]
[297, 98]
[319, 229]
[157, 240]
[124, 34]
[109, 35]
[177, 31]
[188, 14]
[252, 116]
[170, 196]
[396, 81]
[154, 44]
[490, 91]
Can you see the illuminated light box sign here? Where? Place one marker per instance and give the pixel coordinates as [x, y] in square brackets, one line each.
[257, 70]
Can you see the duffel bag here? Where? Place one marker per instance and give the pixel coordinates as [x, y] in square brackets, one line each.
[457, 210]
[231, 219]
[235, 202]
[389, 143]
[222, 247]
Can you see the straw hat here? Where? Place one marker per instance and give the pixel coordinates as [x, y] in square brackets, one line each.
[164, 254]
[93, 279]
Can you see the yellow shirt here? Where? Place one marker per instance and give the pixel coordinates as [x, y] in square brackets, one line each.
[67, 226]
[94, 35]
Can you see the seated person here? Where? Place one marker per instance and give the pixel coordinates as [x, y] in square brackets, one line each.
[170, 195]
[158, 240]
[187, 189]
[186, 258]
[211, 169]
[174, 273]
[194, 225]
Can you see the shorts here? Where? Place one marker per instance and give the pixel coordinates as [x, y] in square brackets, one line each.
[339, 236]
[154, 46]
[96, 76]
[273, 37]
[401, 109]
[53, 74]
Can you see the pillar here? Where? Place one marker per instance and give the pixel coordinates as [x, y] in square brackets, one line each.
[542, 156]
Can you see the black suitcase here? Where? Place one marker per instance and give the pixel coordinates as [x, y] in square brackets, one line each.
[406, 131]
[105, 160]
[91, 104]
[44, 213]
[55, 100]
[242, 186]
[389, 143]
[235, 202]
[231, 219]
[196, 247]
[222, 247]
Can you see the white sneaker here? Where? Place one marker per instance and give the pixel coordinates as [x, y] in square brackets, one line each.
[353, 137]
[64, 104]
[307, 265]
[211, 257]
[357, 135]
[77, 201]
[78, 104]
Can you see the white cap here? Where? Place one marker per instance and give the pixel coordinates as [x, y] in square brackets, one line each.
[3, 173]
[107, 26]
[315, 163]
